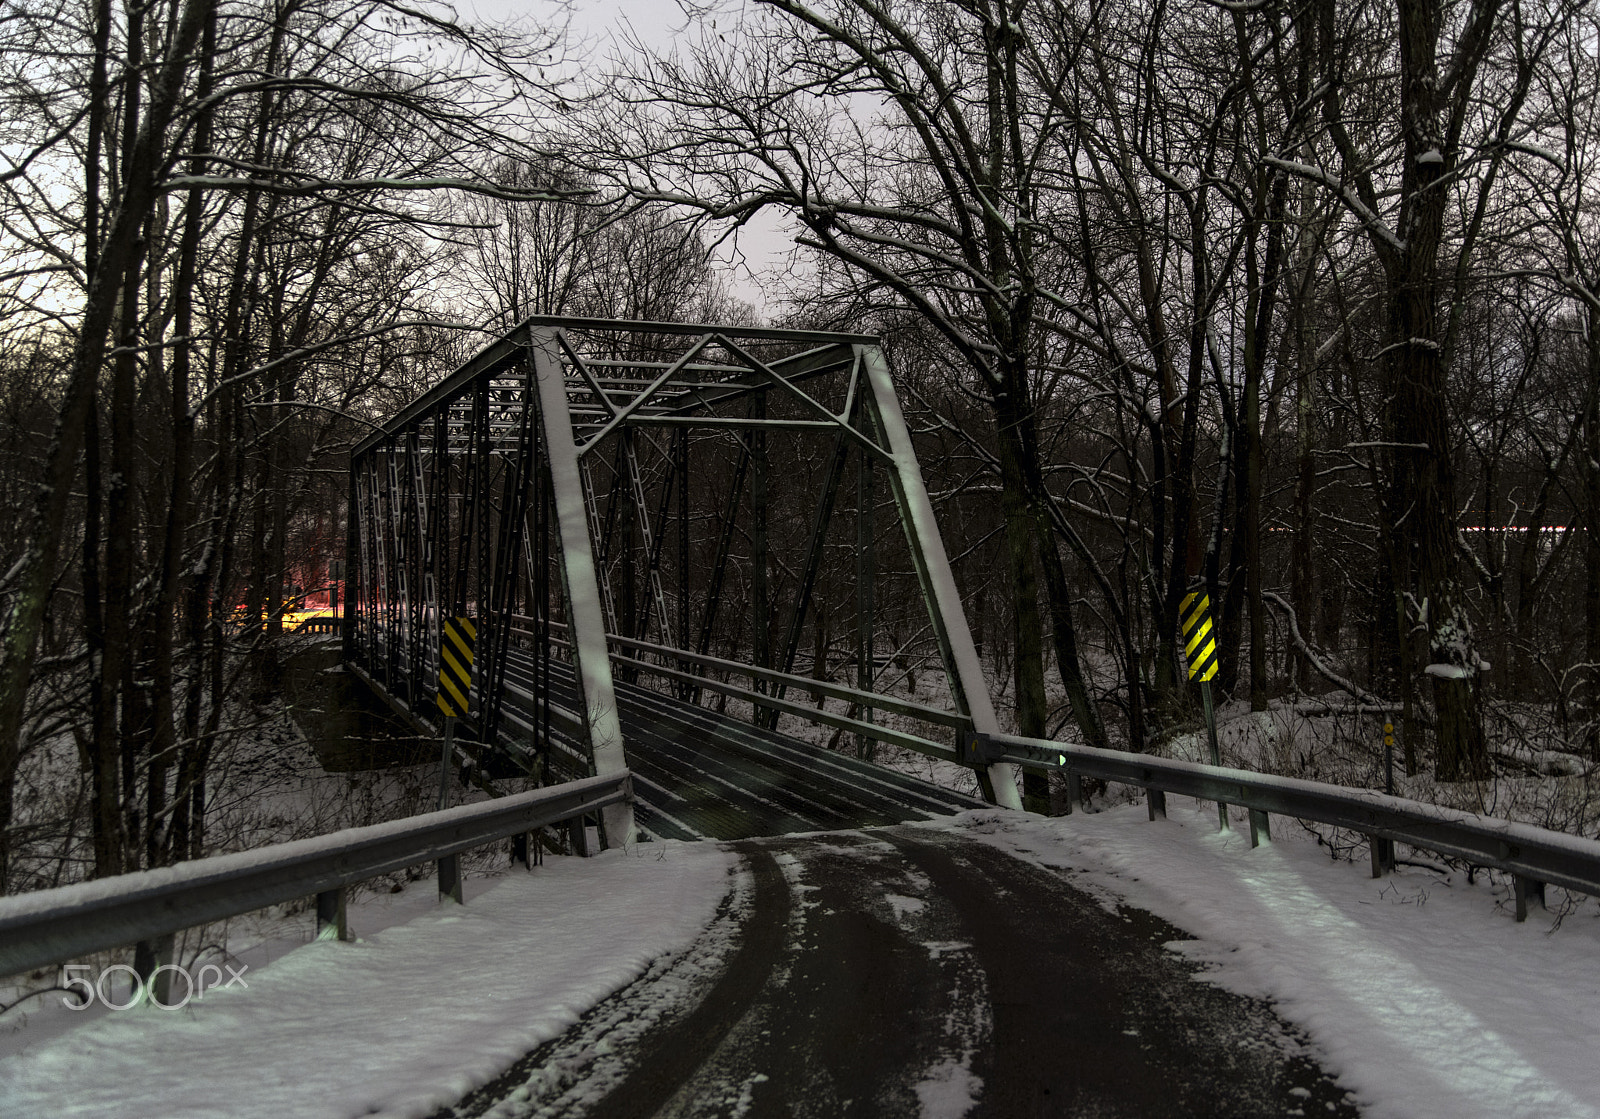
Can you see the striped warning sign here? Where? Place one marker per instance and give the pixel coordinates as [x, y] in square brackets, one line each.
[1199, 644]
[455, 665]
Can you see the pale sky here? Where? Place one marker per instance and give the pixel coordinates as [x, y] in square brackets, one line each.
[596, 29]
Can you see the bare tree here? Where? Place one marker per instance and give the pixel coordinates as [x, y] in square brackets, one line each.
[927, 188]
[218, 209]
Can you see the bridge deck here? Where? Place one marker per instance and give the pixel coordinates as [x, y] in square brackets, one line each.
[701, 775]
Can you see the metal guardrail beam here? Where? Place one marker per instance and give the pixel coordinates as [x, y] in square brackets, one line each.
[50, 926]
[1529, 852]
[870, 730]
[877, 701]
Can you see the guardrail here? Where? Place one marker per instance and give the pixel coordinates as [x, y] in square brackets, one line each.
[147, 908]
[1534, 856]
[874, 701]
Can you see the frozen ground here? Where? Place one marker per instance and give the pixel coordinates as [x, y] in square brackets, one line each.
[428, 1003]
[1427, 999]
[1423, 994]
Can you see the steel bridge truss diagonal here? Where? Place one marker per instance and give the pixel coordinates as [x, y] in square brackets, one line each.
[669, 503]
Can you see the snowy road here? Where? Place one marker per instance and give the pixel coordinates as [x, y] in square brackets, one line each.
[913, 972]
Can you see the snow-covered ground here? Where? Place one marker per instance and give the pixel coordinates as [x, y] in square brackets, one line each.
[1420, 990]
[428, 1003]
[1423, 993]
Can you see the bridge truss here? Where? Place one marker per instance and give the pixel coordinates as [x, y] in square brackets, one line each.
[664, 502]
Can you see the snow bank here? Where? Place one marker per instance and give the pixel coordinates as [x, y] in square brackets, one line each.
[1426, 998]
[399, 1022]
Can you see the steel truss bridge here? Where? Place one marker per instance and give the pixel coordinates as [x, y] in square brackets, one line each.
[674, 543]
[650, 526]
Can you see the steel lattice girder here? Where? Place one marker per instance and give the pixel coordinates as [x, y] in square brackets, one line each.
[440, 506]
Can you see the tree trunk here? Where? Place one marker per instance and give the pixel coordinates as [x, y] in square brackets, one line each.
[22, 625]
[1421, 501]
[1027, 633]
[1591, 540]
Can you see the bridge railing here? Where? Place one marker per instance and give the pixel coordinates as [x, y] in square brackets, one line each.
[873, 701]
[147, 908]
[1534, 856]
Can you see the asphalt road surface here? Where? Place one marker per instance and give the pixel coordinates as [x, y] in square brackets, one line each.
[907, 972]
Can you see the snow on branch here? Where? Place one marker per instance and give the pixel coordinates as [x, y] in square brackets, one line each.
[1313, 658]
[1370, 220]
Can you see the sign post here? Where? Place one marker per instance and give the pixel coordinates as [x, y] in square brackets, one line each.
[1388, 758]
[457, 637]
[1200, 649]
[1383, 849]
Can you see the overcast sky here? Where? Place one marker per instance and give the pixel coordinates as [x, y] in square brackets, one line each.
[596, 29]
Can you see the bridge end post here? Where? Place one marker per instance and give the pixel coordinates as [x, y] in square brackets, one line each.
[962, 666]
[580, 583]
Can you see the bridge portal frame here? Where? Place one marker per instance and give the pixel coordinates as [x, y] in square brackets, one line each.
[515, 422]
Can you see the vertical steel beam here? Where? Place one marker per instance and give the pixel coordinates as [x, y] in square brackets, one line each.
[382, 541]
[419, 651]
[652, 544]
[348, 602]
[760, 624]
[724, 545]
[681, 469]
[371, 578]
[584, 614]
[814, 554]
[438, 508]
[542, 518]
[608, 601]
[962, 666]
[483, 529]
[866, 569]
[427, 596]
[515, 476]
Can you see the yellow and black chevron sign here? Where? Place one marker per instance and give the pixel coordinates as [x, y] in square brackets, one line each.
[1199, 644]
[455, 665]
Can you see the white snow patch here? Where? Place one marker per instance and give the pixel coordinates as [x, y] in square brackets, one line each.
[747, 1095]
[903, 906]
[1422, 993]
[949, 1090]
[396, 1024]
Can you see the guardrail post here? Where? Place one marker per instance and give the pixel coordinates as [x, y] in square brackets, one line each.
[149, 956]
[1074, 792]
[450, 879]
[1155, 800]
[331, 924]
[1526, 889]
[1382, 855]
[519, 850]
[578, 836]
[1260, 829]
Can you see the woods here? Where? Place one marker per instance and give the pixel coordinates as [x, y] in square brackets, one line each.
[1295, 301]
